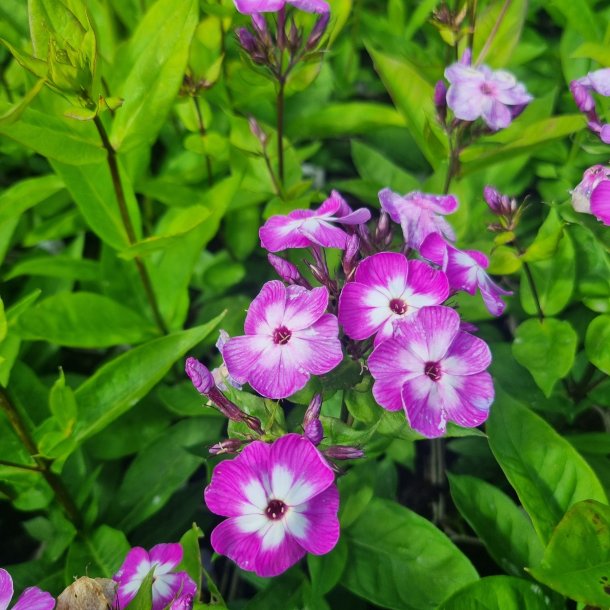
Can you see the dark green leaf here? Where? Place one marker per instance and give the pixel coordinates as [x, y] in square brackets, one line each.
[597, 343]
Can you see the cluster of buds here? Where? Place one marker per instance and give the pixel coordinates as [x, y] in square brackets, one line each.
[505, 208]
[267, 49]
[450, 23]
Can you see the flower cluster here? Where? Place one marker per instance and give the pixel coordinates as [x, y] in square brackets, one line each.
[582, 88]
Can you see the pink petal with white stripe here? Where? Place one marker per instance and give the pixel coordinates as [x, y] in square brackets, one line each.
[323, 526]
[424, 407]
[600, 202]
[303, 307]
[166, 556]
[6, 589]
[258, 6]
[242, 354]
[363, 310]
[466, 356]
[266, 312]
[318, 348]
[34, 599]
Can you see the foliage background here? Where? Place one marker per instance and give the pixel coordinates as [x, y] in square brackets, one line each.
[103, 443]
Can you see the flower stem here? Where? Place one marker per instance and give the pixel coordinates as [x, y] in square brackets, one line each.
[43, 465]
[131, 235]
[202, 132]
[280, 128]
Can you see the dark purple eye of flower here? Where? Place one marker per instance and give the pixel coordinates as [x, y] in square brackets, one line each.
[281, 335]
[433, 370]
[398, 306]
[487, 89]
[275, 510]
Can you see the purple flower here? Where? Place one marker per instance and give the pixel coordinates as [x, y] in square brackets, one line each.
[266, 6]
[31, 599]
[494, 95]
[598, 81]
[200, 375]
[304, 228]
[167, 585]
[281, 502]
[592, 194]
[288, 338]
[386, 288]
[419, 214]
[465, 270]
[434, 371]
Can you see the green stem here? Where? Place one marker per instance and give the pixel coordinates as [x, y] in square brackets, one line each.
[472, 17]
[535, 296]
[280, 128]
[493, 33]
[19, 466]
[131, 235]
[202, 132]
[43, 465]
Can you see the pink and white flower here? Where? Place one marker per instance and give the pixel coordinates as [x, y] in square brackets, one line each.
[281, 503]
[465, 270]
[31, 599]
[249, 7]
[419, 214]
[386, 288]
[305, 228]
[493, 95]
[434, 371]
[168, 585]
[288, 338]
[592, 194]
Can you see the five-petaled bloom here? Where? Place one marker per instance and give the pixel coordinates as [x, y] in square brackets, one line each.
[493, 95]
[168, 585]
[31, 599]
[305, 228]
[419, 214]
[268, 6]
[465, 271]
[386, 288]
[592, 194]
[281, 501]
[434, 371]
[288, 338]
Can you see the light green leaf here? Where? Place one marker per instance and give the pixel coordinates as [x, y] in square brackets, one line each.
[150, 70]
[11, 115]
[143, 599]
[597, 343]
[191, 558]
[547, 239]
[400, 560]
[413, 96]
[27, 193]
[580, 17]
[504, 528]
[85, 320]
[591, 50]
[576, 561]
[546, 349]
[326, 570]
[56, 266]
[62, 403]
[3, 322]
[121, 383]
[547, 473]
[500, 593]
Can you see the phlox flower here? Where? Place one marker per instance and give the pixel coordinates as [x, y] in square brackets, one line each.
[281, 503]
[434, 371]
[31, 599]
[493, 95]
[599, 82]
[592, 194]
[387, 287]
[465, 271]
[168, 585]
[288, 338]
[419, 214]
[305, 228]
[249, 7]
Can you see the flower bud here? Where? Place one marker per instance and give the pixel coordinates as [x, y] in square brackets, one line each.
[440, 100]
[285, 269]
[312, 425]
[247, 41]
[582, 95]
[200, 375]
[349, 261]
[257, 131]
[341, 452]
[229, 445]
[317, 32]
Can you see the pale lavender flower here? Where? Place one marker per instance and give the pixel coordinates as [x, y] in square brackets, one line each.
[493, 95]
[281, 503]
[305, 228]
[465, 271]
[168, 585]
[434, 371]
[266, 6]
[419, 214]
[598, 81]
[31, 599]
[592, 194]
[288, 338]
[386, 288]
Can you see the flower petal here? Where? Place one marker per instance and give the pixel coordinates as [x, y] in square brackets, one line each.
[266, 312]
[363, 310]
[497, 115]
[466, 100]
[34, 599]
[600, 202]
[384, 269]
[136, 566]
[317, 349]
[304, 307]
[282, 232]
[426, 286]
[6, 589]
[166, 556]
[167, 586]
[473, 397]
[299, 472]
[423, 406]
[311, 6]
[258, 6]
[242, 354]
[466, 356]
[324, 233]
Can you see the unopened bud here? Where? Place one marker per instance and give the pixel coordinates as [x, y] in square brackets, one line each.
[200, 375]
[312, 425]
[317, 32]
[319, 275]
[285, 269]
[247, 41]
[281, 29]
[582, 96]
[231, 411]
[440, 100]
[341, 452]
[350, 256]
[257, 131]
[229, 445]
[501, 205]
[294, 37]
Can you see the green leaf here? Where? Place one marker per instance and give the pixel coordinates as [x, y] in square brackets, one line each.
[413, 96]
[504, 528]
[400, 560]
[85, 320]
[547, 349]
[191, 558]
[597, 343]
[99, 554]
[547, 473]
[597, 52]
[547, 239]
[62, 403]
[326, 570]
[121, 383]
[576, 561]
[143, 599]
[149, 71]
[14, 113]
[57, 266]
[580, 17]
[500, 593]
[506, 22]
[3, 322]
